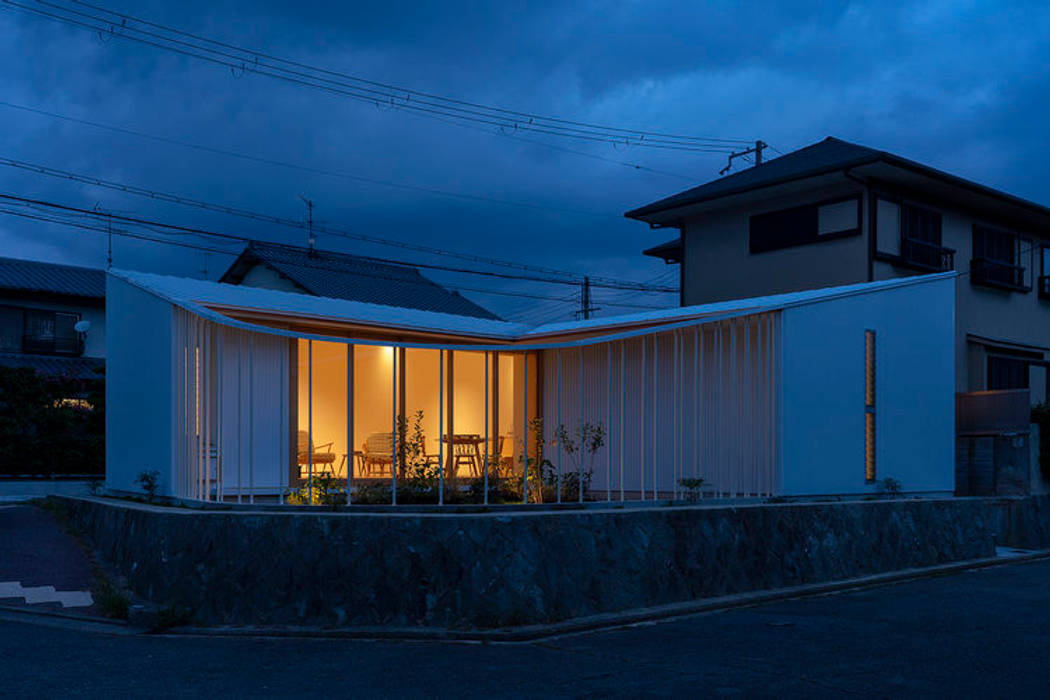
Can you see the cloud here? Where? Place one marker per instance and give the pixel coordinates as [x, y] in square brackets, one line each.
[955, 85]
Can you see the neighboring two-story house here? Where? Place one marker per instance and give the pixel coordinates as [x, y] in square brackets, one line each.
[52, 317]
[838, 213]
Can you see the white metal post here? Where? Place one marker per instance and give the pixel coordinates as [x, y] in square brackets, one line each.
[608, 421]
[623, 410]
[641, 421]
[485, 457]
[560, 446]
[310, 421]
[579, 431]
[351, 458]
[525, 431]
[251, 419]
[441, 427]
[240, 424]
[696, 402]
[393, 425]
[656, 409]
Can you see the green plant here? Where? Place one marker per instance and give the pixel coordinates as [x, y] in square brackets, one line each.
[149, 481]
[420, 475]
[171, 616]
[323, 490]
[1041, 417]
[581, 446]
[112, 601]
[890, 487]
[693, 487]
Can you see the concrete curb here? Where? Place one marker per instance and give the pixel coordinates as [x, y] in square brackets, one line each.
[56, 618]
[607, 621]
[528, 633]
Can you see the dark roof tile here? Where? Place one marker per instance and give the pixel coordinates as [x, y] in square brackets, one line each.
[342, 276]
[50, 278]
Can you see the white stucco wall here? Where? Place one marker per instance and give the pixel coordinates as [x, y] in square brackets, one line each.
[822, 403]
[138, 386]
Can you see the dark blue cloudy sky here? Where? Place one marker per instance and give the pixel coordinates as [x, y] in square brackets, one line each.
[962, 86]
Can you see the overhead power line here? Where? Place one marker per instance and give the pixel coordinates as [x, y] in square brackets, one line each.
[180, 229]
[335, 231]
[310, 169]
[125, 233]
[104, 21]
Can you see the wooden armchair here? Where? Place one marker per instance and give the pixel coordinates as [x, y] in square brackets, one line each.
[320, 456]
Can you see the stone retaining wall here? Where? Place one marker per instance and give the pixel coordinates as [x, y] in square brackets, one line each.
[487, 570]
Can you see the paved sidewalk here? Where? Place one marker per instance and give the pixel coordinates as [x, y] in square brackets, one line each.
[41, 566]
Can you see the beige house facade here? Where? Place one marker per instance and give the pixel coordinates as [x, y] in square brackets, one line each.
[837, 213]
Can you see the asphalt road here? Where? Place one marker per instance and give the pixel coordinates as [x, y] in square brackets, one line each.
[983, 633]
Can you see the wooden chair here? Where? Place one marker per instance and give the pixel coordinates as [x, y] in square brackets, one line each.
[320, 456]
[376, 454]
[465, 452]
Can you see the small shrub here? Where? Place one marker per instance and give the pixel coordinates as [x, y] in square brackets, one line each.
[149, 481]
[111, 601]
[890, 487]
[693, 488]
[322, 491]
[171, 616]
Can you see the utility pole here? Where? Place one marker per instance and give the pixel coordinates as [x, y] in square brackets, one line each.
[756, 149]
[309, 222]
[585, 300]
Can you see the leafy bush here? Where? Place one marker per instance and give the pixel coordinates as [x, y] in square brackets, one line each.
[322, 491]
[890, 486]
[149, 481]
[51, 425]
[692, 487]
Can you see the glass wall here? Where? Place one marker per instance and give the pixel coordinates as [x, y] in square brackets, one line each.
[322, 444]
[448, 414]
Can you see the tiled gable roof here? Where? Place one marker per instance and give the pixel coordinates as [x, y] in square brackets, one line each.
[343, 276]
[50, 278]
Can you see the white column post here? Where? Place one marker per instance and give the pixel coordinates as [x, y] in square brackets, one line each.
[441, 427]
[558, 428]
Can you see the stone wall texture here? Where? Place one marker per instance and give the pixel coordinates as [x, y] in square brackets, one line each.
[502, 569]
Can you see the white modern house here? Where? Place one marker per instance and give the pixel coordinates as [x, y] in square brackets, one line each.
[243, 394]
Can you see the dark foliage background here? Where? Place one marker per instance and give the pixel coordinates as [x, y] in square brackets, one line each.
[43, 435]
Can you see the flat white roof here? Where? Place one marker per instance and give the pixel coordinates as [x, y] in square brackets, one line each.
[202, 297]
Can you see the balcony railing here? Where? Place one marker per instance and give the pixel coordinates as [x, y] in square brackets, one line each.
[1044, 287]
[53, 345]
[928, 256]
[996, 273]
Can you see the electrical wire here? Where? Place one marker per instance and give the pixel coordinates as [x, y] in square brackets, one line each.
[353, 87]
[342, 233]
[109, 216]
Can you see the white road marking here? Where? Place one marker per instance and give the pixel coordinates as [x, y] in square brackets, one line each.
[45, 594]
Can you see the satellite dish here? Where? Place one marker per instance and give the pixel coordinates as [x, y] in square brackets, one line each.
[81, 326]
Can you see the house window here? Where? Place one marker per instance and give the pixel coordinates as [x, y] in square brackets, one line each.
[997, 259]
[869, 405]
[911, 235]
[1007, 373]
[51, 332]
[10, 329]
[811, 223]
